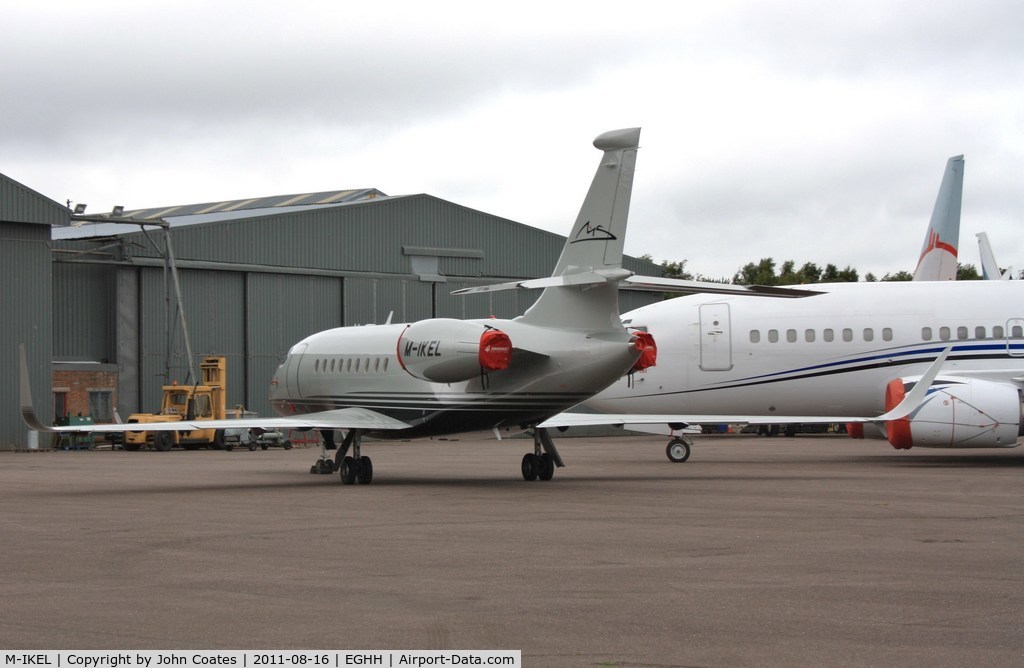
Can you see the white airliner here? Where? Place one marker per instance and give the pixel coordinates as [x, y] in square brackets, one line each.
[441, 376]
[853, 349]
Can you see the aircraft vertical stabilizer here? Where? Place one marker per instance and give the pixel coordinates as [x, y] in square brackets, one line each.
[938, 261]
[594, 244]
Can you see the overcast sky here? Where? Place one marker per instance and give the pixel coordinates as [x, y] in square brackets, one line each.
[795, 130]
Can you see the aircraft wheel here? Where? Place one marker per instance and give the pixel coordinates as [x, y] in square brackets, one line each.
[287, 445]
[364, 472]
[547, 467]
[678, 450]
[162, 441]
[131, 447]
[252, 447]
[531, 466]
[312, 469]
[348, 471]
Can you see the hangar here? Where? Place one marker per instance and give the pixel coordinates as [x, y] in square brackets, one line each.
[97, 305]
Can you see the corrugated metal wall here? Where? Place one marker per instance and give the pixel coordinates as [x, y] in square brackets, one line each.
[25, 284]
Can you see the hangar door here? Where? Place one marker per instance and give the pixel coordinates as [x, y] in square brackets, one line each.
[715, 338]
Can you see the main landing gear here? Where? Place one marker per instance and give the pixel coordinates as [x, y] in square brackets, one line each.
[354, 468]
[678, 449]
[541, 463]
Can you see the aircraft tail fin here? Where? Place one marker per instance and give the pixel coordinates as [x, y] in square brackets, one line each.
[595, 244]
[938, 261]
[989, 268]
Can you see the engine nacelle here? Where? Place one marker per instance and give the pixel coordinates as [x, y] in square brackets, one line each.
[445, 350]
[958, 413]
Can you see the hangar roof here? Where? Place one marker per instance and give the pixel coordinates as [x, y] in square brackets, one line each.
[21, 204]
[194, 214]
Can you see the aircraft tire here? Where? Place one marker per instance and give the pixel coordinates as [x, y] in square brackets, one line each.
[347, 471]
[531, 466]
[364, 472]
[678, 450]
[547, 467]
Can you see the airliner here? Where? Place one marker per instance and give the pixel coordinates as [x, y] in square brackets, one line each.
[441, 375]
[851, 349]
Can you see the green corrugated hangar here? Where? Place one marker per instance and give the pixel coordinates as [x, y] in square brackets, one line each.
[97, 308]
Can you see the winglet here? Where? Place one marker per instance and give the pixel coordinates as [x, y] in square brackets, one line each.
[917, 395]
[28, 411]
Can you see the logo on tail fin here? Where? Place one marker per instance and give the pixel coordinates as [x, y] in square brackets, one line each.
[590, 233]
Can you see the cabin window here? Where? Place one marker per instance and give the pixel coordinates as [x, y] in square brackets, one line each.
[961, 333]
[791, 335]
[773, 336]
[376, 365]
[334, 362]
[926, 333]
[828, 335]
[1016, 332]
[809, 335]
[997, 332]
[385, 365]
[979, 333]
[944, 333]
[316, 366]
[847, 334]
[887, 333]
[755, 336]
[357, 365]
[869, 334]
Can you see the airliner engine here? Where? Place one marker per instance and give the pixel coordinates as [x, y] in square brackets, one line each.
[445, 350]
[958, 413]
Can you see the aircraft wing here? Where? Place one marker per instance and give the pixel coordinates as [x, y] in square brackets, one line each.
[911, 402]
[343, 418]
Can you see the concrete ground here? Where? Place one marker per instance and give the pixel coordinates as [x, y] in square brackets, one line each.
[758, 551]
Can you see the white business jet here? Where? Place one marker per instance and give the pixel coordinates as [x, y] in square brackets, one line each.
[443, 376]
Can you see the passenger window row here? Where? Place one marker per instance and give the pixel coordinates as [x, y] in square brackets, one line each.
[962, 333]
[362, 365]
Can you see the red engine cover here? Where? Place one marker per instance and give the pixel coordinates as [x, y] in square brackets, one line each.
[897, 431]
[644, 343]
[495, 350]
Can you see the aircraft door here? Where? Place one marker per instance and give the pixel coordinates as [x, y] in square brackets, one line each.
[715, 338]
[1015, 337]
[294, 360]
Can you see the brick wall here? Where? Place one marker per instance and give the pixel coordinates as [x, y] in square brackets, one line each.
[76, 386]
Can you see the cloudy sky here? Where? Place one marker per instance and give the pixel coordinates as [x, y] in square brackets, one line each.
[795, 130]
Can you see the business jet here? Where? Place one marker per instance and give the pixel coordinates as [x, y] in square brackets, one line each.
[851, 349]
[442, 376]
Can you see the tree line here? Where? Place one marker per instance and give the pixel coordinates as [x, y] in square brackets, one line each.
[767, 272]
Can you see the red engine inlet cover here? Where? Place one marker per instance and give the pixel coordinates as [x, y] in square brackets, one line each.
[495, 350]
[897, 431]
[644, 342]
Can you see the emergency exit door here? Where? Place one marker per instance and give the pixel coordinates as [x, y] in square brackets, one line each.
[715, 338]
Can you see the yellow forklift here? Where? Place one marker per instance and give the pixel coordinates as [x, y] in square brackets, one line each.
[203, 401]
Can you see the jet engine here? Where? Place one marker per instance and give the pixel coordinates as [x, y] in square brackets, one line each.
[958, 413]
[444, 350]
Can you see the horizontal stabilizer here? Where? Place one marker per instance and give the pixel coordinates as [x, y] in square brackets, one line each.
[681, 286]
[628, 281]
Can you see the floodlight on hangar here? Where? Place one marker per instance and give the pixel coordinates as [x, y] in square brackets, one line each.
[80, 208]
